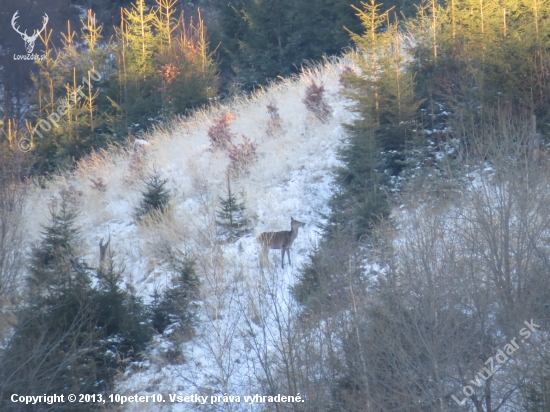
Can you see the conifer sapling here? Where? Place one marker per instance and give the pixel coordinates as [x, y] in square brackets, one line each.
[156, 197]
[231, 214]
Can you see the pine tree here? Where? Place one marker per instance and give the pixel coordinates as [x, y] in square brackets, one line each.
[231, 214]
[122, 317]
[175, 305]
[55, 267]
[264, 39]
[155, 197]
[360, 199]
[53, 347]
[71, 117]
[137, 81]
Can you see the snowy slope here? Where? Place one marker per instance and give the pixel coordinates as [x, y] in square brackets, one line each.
[290, 178]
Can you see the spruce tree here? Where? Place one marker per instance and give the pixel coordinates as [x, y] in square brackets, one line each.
[175, 305]
[360, 199]
[53, 346]
[488, 54]
[70, 336]
[122, 316]
[155, 197]
[385, 102]
[137, 80]
[164, 66]
[231, 214]
[55, 268]
[70, 116]
[263, 39]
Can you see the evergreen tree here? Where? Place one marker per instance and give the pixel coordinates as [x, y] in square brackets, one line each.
[189, 73]
[86, 100]
[70, 337]
[55, 268]
[122, 317]
[360, 199]
[164, 66]
[71, 116]
[175, 305]
[264, 39]
[488, 54]
[231, 214]
[384, 99]
[53, 349]
[137, 81]
[384, 93]
[155, 197]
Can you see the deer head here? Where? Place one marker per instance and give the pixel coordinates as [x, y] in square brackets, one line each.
[29, 40]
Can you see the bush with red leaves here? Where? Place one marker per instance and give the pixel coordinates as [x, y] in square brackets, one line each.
[242, 154]
[275, 123]
[219, 133]
[315, 101]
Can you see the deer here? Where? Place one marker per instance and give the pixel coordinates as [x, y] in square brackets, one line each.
[103, 249]
[280, 240]
[29, 40]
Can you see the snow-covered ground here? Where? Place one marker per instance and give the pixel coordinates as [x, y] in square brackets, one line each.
[242, 309]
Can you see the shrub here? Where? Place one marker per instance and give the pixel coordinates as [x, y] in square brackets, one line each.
[242, 154]
[99, 185]
[275, 122]
[315, 101]
[219, 133]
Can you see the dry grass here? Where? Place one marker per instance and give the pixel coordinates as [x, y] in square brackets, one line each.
[281, 137]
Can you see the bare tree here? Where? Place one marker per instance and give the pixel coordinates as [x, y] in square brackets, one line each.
[463, 272]
[413, 318]
[12, 203]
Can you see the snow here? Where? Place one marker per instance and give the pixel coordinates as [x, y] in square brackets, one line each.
[242, 307]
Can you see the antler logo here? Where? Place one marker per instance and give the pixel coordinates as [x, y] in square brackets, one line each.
[29, 40]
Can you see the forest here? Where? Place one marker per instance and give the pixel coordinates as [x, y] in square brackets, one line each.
[154, 154]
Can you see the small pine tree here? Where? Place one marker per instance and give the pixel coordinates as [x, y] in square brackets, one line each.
[121, 316]
[231, 214]
[55, 269]
[156, 197]
[54, 341]
[175, 305]
[70, 336]
[360, 199]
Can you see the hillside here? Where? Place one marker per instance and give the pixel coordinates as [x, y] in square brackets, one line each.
[290, 178]
[416, 169]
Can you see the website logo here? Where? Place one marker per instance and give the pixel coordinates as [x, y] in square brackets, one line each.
[29, 40]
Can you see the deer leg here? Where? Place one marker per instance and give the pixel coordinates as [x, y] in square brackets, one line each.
[288, 254]
[261, 258]
[283, 257]
[264, 255]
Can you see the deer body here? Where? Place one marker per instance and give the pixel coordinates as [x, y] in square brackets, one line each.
[280, 240]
